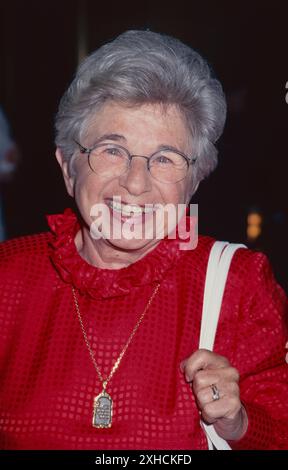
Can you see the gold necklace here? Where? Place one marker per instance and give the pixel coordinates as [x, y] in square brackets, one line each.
[103, 403]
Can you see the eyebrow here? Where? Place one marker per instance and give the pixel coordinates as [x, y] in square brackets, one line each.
[168, 147]
[121, 138]
[115, 137]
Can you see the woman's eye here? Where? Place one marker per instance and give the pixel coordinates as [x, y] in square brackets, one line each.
[113, 151]
[163, 160]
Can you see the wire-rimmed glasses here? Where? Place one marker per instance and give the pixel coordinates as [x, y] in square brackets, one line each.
[110, 159]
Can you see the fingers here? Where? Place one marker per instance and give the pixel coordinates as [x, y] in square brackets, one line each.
[219, 377]
[202, 359]
[221, 409]
[215, 385]
[227, 405]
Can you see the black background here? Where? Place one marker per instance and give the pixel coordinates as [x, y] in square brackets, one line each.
[245, 42]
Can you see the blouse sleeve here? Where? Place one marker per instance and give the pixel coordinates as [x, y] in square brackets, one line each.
[260, 357]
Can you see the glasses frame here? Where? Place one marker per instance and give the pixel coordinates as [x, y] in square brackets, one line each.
[87, 151]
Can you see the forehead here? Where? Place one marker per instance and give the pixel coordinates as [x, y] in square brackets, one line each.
[147, 122]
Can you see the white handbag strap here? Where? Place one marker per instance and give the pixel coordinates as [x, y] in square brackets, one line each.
[218, 266]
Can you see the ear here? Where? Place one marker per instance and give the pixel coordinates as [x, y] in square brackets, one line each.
[68, 179]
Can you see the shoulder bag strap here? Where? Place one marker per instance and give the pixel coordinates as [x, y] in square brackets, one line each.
[218, 266]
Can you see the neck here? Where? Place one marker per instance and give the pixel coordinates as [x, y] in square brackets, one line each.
[103, 254]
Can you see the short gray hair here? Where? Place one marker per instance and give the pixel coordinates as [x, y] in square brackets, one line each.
[141, 67]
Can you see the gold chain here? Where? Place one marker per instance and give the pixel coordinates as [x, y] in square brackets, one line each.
[117, 363]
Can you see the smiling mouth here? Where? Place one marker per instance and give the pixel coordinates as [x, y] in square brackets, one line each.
[130, 210]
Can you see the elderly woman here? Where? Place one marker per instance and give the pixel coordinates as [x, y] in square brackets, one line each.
[100, 326]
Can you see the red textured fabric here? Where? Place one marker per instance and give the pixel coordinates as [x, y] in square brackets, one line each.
[47, 377]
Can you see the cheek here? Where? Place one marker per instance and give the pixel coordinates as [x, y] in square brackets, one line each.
[174, 194]
[88, 189]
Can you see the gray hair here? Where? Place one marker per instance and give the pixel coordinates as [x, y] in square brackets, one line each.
[141, 67]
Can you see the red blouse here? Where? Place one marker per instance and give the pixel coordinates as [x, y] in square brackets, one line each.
[48, 381]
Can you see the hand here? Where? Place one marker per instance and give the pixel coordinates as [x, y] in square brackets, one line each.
[204, 368]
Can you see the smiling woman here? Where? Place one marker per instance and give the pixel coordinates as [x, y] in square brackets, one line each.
[102, 327]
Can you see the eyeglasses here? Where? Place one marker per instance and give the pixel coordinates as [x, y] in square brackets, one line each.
[112, 160]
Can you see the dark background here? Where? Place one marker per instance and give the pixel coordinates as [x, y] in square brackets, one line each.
[245, 42]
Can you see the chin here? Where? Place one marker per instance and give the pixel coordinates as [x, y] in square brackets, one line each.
[131, 245]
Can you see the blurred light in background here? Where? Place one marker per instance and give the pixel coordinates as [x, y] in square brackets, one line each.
[254, 226]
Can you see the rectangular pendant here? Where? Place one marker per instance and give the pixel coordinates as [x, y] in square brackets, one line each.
[102, 410]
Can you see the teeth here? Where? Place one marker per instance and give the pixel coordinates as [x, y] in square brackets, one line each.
[148, 209]
[127, 209]
[135, 209]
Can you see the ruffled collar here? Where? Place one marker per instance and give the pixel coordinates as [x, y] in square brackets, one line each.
[104, 283]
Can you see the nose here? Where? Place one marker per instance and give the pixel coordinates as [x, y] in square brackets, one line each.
[136, 179]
